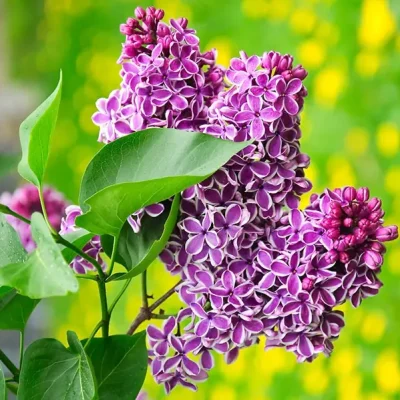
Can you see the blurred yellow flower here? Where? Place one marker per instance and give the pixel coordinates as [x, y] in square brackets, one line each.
[373, 326]
[329, 84]
[388, 139]
[303, 20]
[224, 50]
[357, 140]
[377, 23]
[311, 53]
[367, 63]
[387, 372]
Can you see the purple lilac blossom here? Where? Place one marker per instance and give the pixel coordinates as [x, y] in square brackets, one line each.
[251, 262]
[166, 80]
[92, 248]
[25, 201]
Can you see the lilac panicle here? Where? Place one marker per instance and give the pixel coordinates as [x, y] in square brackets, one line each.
[252, 263]
[25, 201]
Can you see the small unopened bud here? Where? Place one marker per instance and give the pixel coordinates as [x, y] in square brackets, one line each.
[349, 193]
[363, 194]
[372, 259]
[387, 233]
[140, 13]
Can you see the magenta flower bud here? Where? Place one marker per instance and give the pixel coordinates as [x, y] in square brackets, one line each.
[376, 215]
[333, 233]
[133, 23]
[374, 204]
[348, 222]
[159, 14]
[349, 193]
[344, 257]
[307, 284]
[183, 22]
[125, 29]
[387, 233]
[332, 256]
[377, 247]
[150, 11]
[299, 72]
[372, 259]
[140, 13]
[363, 223]
[363, 194]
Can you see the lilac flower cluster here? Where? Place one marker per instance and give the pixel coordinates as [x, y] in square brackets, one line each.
[92, 248]
[166, 80]
[251, 262]
[25, 201]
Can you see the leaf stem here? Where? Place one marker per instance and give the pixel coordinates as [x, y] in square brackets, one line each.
[93, 261]
[44, 211]
[146, 313]
[119, 295]
[104, 308]
[93, 334]
[145, 296]
[9, 364]
[7, 210]
[114, 253]
[21, 347]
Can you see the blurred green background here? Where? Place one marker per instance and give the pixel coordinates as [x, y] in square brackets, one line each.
[351, 128]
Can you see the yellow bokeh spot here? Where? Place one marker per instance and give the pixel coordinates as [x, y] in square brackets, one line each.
[327, 32]
[85, 120]
[345, 360]
[315, 378]
[373, 326]
[303, 20]
[377, 23]
[388, 138]
[387, 372]
[394, 260]
[329, 84]
[367, 63]
[392, 180]
[311, 53]
[223, 392]
[349, 387]
[279, 10]
[376, 396]
[357, 140]
[103, 70]
[341, 172]
[255, 8]
[174, 9]
[224, 50]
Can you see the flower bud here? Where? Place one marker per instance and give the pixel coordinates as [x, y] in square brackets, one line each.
[140, 13]
[363, 194]
[387, 233]
[372, 259]
[349, 193]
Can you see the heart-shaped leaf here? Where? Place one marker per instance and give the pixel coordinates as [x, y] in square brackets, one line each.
[3, 387]
[120, 364]
[137, 251]
[35, 135]
[14, 308]
[145, 168]
[45, 273]
[50, 371]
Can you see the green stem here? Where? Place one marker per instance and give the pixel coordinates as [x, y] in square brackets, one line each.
[96, 264]
[92, 335]
[162, 316]
[7, 210]
[21, 348]
[119, 295]
[44, 211]
[104, 308]
[9, 364]
[145, 296]
[87, 277]
[114, 253]
[12, 387]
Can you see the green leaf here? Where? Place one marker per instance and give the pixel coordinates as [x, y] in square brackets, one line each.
[8, 163]
[145, 168]
[3, 387]
[35, 135]
[50, 371]
[45, 273]
[120, 364]
[15, 309]
[136, 251]
[78, 238]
